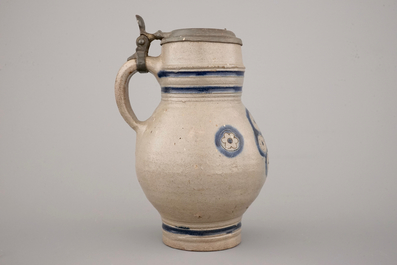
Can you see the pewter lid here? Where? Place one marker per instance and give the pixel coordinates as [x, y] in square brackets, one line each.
[179, 35]
[201, 35]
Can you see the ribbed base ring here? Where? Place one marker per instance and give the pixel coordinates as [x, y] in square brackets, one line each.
[202, 240]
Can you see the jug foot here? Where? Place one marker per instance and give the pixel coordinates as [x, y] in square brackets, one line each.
[202, 240]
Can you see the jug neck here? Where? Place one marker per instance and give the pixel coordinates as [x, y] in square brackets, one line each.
[205, 55]
[201, 68]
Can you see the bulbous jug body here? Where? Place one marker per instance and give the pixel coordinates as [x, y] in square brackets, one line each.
[201, 158]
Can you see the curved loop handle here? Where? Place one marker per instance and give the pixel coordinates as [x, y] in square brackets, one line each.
[122, 95]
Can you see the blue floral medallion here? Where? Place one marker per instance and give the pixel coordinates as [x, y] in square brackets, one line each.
[260, 141]
[229, 141]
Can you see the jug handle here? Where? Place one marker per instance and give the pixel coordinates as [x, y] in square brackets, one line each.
[122, 87]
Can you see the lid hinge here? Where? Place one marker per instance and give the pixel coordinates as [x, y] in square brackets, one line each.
[143, 44]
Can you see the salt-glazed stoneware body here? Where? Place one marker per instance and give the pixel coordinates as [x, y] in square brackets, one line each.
[200, 158]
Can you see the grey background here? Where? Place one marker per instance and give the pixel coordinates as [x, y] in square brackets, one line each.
[320, 81]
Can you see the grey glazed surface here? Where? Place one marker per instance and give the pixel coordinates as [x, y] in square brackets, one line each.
[320, 81]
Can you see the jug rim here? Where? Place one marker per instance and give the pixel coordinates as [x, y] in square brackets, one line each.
[201, 35]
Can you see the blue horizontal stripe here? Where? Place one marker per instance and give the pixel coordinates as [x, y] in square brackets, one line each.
[198, 73]
[203, 89]
[187, 231]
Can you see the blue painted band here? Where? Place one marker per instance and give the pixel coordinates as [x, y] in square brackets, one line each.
[187, 231]
[202, 89]
[162, 74]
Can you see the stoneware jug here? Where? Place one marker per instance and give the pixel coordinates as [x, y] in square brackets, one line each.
[200, 158]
